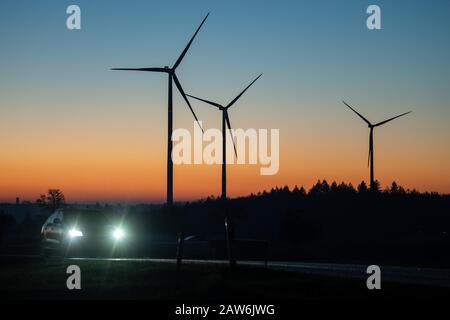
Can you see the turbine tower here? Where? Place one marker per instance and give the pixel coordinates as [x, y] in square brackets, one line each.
[225, 123]
[172, 78]
[371, 127]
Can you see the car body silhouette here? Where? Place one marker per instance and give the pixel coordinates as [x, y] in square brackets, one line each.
[90, 233]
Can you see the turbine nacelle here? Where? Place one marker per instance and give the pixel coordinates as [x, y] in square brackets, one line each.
[169, 70]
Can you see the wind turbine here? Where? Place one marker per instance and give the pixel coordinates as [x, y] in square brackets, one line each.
[372, 126]
[172, 78]
[225, 123]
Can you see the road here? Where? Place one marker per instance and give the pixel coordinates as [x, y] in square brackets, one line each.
[411, 275]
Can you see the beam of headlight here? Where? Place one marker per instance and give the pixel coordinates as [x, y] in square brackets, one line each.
[118, 234]
[74, 233]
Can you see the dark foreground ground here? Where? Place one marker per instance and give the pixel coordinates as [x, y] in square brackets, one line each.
[39, 279]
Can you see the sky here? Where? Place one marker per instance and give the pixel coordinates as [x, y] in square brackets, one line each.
[68, 122]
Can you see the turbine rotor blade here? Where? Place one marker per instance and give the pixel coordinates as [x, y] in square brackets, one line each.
[206, 101]
[177, 83]
[142, 69]
[177, 63]
[386, 121]
[237, 98]
[227, 119]
[360, 115]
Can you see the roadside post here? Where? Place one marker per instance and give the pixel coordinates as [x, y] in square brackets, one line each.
[180, 248]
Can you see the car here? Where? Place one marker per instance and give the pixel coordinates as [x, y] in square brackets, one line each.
[82, 233]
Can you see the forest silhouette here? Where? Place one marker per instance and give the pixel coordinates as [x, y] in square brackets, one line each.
[334, 222]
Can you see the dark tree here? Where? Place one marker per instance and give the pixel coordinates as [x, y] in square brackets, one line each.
[376, 186]
[53, 200]
[362, 188]
[299, 192]
[396, 189]
[334, 187]
[321, 187]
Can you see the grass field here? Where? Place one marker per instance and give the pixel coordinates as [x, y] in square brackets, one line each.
[35, 279]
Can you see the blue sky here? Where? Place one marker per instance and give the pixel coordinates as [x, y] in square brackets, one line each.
[309, 44]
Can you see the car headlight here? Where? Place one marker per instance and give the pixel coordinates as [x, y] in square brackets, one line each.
[74, 233]
[118, 233]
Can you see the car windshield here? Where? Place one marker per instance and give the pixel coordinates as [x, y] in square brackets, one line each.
[86, 219]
